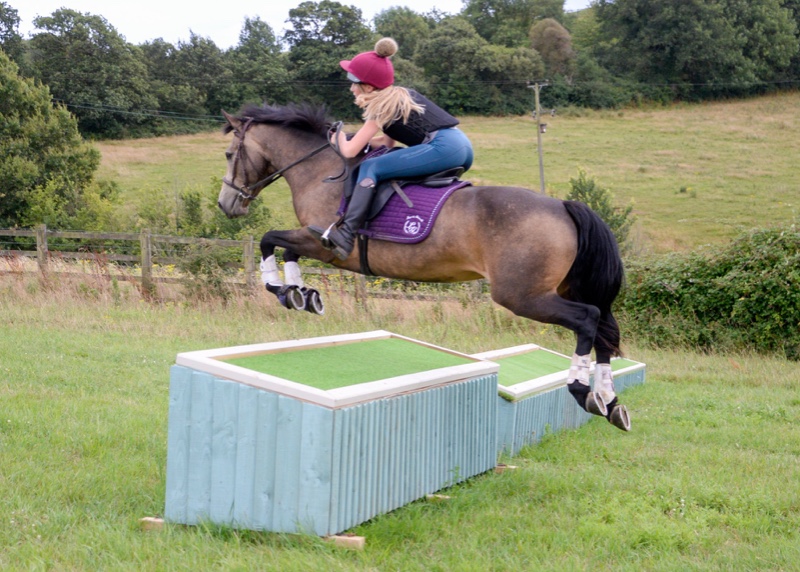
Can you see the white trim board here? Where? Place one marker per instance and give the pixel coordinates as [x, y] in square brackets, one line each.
[540, 384]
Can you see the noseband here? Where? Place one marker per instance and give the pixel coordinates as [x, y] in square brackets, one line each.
[250, 192]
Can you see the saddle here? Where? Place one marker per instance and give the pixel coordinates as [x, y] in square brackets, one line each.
[387, 189]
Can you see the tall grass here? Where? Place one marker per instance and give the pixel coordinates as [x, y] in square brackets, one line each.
[703, 482]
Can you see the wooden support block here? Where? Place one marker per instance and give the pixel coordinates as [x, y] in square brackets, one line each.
[437, 498]
[151, 523]
[348, 541]
[502, 467]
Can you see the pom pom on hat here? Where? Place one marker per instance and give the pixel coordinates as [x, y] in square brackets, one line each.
[386, 47]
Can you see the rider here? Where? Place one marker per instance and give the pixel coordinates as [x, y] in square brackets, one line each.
[433, 143]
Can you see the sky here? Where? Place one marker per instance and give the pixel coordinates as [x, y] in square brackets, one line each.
[146, 20]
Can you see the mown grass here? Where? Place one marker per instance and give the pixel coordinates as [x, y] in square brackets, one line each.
[703, 482]
[696, 174]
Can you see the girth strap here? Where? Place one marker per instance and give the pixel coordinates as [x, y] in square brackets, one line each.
[362, 255]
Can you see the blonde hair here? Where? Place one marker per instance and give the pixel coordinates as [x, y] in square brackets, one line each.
[385, 106]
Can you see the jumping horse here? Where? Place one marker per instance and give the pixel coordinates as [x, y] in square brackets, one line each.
[546, 259]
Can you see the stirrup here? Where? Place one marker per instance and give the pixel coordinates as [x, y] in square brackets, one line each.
[323, 236]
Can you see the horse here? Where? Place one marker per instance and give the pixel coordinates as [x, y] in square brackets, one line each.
[546, 259]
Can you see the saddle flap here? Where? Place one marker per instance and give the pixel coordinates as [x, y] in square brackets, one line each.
[399, 222]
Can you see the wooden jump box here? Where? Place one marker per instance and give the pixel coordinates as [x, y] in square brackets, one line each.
[533, 396]
[255, 449]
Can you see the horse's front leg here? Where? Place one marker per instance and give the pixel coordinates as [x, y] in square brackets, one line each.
[291, 292]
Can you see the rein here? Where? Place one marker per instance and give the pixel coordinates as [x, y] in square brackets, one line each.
[250, 192]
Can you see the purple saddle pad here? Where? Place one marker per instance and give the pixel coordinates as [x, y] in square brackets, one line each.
[397, 222]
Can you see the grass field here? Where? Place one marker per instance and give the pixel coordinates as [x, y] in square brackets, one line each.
[704, 481]
[696, 174]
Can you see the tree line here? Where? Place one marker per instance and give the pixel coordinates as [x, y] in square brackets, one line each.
[479, 61]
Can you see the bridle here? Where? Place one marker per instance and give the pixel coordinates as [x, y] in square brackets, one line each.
[250, 192]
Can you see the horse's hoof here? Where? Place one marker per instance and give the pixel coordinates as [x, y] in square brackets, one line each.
[289, 296]
[295, 299]
[314, 302]
[595, 404]
[619, 418]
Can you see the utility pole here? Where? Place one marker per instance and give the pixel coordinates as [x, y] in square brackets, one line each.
[540, 128]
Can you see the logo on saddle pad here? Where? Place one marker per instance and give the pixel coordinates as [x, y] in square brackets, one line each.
[413, 225]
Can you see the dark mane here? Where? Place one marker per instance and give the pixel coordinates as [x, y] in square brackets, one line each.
[304, 117]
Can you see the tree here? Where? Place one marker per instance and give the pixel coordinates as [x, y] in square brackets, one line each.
[90, 67]
[554, 45]
[405, 26]
[326, 22]
[699, 46]
[469, 75]
[178, 101]
[10, 40]
[792, 73]
[321, 35]
[201, 65]
[258, 65]
[508, 22]
[46, 168]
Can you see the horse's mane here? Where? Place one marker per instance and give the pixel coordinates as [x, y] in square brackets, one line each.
[304, 117]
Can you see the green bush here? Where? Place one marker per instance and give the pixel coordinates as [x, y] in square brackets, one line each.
[743, 296]
[601, 201]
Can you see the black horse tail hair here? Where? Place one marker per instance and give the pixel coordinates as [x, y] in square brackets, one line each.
[597, 274]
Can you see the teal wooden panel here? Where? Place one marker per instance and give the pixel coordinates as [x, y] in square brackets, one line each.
[314, 477]
[224, 428]
[506, 420]
[624, 381]
[244, 515]
[383, 444]
[287, 464]
[178, 444]
[393, 451]
[199, 478]
[266, 463]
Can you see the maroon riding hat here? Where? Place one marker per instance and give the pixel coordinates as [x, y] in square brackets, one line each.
[373, 68]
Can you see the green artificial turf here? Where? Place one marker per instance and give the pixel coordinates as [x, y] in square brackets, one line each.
[341, 365]
[530, 365]
[622, 363]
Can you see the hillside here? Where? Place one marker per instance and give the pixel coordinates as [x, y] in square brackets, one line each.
[696, 174]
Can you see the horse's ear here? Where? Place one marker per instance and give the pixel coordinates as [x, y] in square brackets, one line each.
[232, 121]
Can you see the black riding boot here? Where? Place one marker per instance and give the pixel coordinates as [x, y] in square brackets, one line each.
[340, 239]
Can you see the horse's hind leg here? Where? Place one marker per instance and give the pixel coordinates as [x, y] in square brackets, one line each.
[606, 345]
[582, 319]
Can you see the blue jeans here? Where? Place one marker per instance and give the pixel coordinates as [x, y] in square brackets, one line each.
[449, 148]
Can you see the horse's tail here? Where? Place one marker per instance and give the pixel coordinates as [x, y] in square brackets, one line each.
[596, 275]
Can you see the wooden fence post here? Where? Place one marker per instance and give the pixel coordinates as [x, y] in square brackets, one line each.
[42, 253]
[147, 261]
[249, 262]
